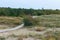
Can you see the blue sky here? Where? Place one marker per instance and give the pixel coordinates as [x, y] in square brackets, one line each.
[36, 4]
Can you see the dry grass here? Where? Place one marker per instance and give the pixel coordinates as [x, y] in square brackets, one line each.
[12, 20]
[49, 20]
[6, 22]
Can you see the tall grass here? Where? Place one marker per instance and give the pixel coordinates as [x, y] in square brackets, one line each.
[10, 20]
[49, 20]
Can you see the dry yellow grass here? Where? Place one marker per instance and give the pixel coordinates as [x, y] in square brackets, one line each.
[10, 20]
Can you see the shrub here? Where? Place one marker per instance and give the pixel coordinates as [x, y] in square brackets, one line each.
[29, 21]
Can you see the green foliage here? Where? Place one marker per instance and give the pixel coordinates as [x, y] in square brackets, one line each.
[21, 11]
[29, 21]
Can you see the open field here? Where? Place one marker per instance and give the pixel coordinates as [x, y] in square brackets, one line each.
[37, 32]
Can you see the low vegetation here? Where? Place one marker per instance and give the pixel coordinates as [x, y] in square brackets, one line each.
[9, 22]
[50, 35]
[49, 20]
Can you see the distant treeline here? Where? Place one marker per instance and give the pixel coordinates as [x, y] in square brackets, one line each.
[21, 11]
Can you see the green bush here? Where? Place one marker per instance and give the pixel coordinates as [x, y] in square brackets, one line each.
[29, 21]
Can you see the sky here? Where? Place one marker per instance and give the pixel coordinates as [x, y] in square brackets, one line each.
[35, 4]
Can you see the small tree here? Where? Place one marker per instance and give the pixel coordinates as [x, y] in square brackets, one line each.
[29, 21]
